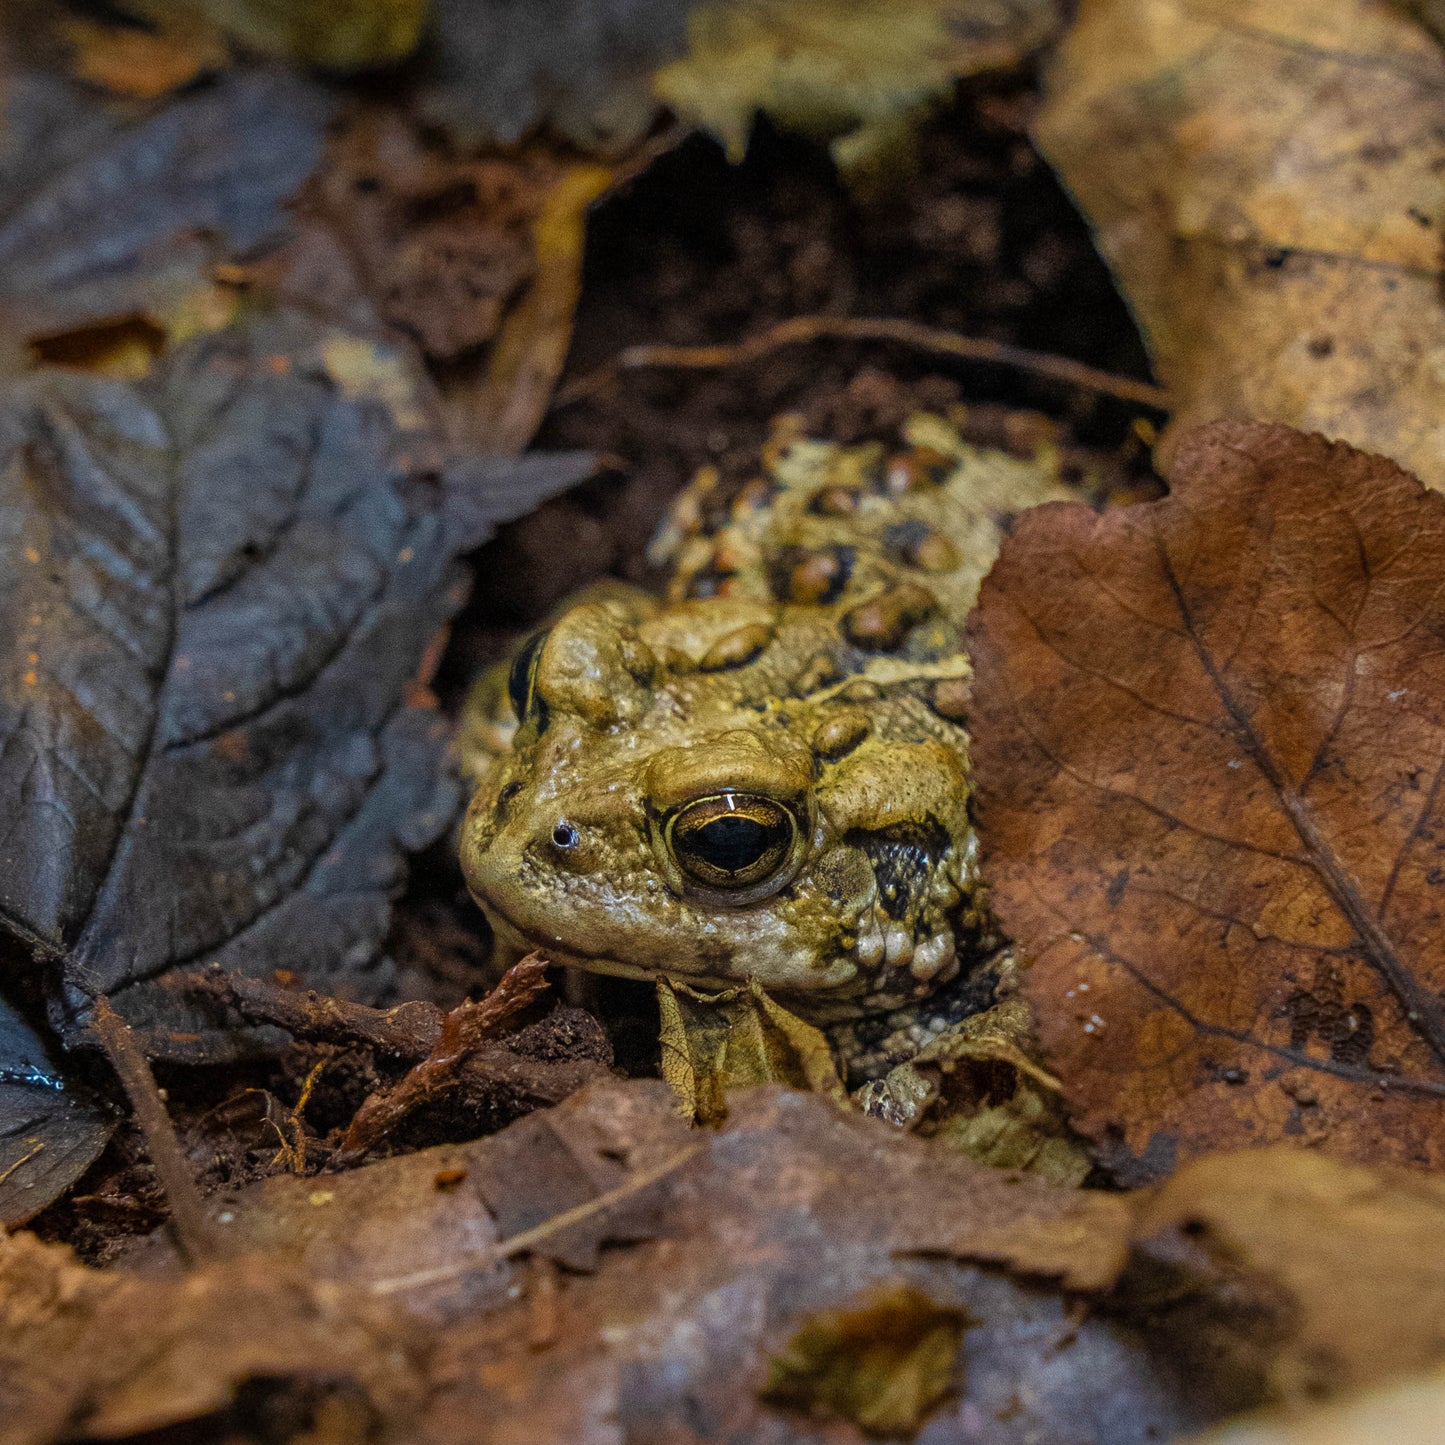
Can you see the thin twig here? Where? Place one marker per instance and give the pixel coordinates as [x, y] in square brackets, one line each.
[529, 1238]
[463, 1030]
[195, 1237]
[800, 330]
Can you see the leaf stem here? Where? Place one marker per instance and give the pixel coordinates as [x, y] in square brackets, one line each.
[195, 1237]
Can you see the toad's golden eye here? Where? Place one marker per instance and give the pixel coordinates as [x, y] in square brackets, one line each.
[731, 841]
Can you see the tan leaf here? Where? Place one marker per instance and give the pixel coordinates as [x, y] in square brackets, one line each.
[1291, 1275]
[1263, 179]
[1210, 738]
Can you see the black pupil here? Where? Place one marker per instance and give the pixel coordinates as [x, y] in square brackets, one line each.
[735, 842]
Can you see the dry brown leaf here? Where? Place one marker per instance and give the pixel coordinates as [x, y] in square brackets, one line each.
[1409, 1413]
[91, 1354]
[1291, 1275]
[1210, 738]
[160, 47]
[688, 1259]
[531, 346]
[1264, 180]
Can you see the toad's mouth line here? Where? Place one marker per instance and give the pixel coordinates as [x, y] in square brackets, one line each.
[558, 952]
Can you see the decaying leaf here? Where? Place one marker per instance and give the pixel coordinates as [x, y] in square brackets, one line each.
[155, 47]
[497, 70]
[1264, 181]
[883, 1361]
[111, 213]
[344, 35]
[49, 1133]
[1209, 737]
[1291, 1276]
[712, 1043]
[595, 73]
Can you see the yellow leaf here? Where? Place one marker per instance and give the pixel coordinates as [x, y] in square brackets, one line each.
[736, 1039]
[884, 1363]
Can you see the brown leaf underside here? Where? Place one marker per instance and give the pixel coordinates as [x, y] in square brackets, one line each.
[1211, 738]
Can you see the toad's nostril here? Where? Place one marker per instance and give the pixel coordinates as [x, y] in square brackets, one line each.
[565, 836]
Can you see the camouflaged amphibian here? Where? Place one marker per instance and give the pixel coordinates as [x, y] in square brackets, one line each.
[765, 774]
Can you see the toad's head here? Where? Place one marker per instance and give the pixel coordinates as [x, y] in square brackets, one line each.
[720, 789]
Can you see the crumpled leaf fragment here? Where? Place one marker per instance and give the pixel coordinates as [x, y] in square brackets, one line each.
[1291, 1276]
[109, 213]
[1263, 181]
[49, 1132]
[94, 1354]
[831, 70]
[977, 1088]
[883, 1361]
[734, 1039]
[1209, 734]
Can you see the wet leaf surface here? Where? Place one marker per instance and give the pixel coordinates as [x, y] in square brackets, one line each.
[109, 211]
[1263, 181]
[217, 590]
[1209, 738]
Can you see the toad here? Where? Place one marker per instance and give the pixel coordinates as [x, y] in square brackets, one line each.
[764, 774]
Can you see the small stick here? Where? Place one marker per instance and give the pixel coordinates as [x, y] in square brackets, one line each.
[799, 330]
[194, 1234]
[529, 1238]
[463, 1030]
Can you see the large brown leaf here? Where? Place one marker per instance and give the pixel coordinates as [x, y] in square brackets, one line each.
[1210, 736]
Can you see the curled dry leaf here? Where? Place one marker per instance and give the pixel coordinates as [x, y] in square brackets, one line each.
[1264, 181]
[1210, 738]
[714, 1042]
